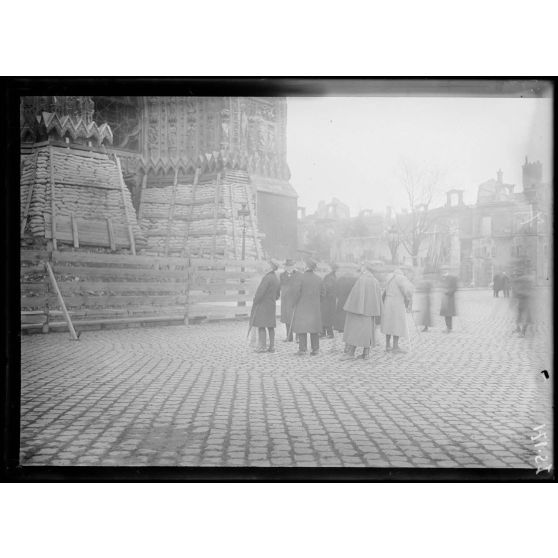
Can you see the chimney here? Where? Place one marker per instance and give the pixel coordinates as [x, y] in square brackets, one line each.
[499, 175]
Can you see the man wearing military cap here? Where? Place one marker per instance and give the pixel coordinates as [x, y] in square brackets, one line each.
[307, 316]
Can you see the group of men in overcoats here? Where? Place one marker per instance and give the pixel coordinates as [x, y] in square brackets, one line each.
[314, 307]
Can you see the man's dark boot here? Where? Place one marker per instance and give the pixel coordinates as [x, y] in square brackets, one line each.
[365, 353]
[261, 340]
[271, 332]
[302, 344]
[349, 352]
[396, 348]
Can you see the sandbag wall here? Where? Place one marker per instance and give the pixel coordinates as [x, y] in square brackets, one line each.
[86, 185]
[202, 221]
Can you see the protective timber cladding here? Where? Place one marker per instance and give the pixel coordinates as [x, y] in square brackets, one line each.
[192, 162]
[188, 165]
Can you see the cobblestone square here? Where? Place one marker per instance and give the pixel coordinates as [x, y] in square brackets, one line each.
[199, 395]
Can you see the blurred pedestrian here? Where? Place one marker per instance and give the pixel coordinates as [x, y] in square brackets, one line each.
[363, 307]
[307, 315]
[288, 280]
[506, 284]
[328, 301]
[424, 291]
[343, 287]
[264, 308]
[523, 291]
[448, 308]
[397, 299]
[497, 281]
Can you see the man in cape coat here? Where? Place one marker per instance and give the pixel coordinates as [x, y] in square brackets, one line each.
[343, 287]
[363, 306]
[264, 308]
[398, 300]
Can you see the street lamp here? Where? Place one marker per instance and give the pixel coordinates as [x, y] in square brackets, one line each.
[243, 213]
[393, 242]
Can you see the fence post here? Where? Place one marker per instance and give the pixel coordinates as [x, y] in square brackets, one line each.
[188, 283]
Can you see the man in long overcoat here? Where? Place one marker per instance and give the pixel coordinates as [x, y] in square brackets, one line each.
[506, 284]
[448, 309]
[288, 281]
[523, 291]
[328, 302]
[264, 309]
[363, 306]
[424, 291]
[397, 301]
[307, 313]
[343, 287]
[497, 284]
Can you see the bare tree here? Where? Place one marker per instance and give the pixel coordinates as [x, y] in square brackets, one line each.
[413, 226]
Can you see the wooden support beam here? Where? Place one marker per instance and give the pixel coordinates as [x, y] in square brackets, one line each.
[188, 284]
[232, 192]
[29, 195]
[73, 334]
[143, 186]
[75, 231]
[171, 211]
[187, 230]
[52, 204]
[253, 223]
[123, 190]
[112, 240]
[216, 214]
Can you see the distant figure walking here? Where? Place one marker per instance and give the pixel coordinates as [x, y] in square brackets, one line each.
[523, 291]
[397, 296]
[497, 284]
[363, 306]
[425, 303]
[307, 316]
[344, 285]
[506, 284]
[448, 309]
[264, 308]
[328, 302]
[288, 280]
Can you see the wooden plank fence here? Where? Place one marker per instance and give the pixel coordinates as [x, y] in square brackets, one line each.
[102, 289]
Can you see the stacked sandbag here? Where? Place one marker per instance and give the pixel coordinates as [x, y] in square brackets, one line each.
[85, 185]
[201, 220]
[36, 175]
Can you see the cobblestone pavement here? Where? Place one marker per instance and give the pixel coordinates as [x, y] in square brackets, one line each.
[199, 395]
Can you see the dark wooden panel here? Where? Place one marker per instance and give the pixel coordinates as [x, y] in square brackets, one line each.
[69, 287]
[116, 272]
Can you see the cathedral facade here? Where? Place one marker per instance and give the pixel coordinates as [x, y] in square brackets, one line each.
[160, 140]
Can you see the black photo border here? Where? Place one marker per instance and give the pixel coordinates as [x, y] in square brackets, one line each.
[12, 88]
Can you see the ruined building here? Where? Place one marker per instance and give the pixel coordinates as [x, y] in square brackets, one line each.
[163, 175]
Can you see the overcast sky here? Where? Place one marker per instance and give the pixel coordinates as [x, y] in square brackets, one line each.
[352, 148]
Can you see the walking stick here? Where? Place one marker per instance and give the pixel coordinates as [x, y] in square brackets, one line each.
[291, 324]
[251, 322]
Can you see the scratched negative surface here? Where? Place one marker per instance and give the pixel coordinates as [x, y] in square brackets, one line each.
[199, 395]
